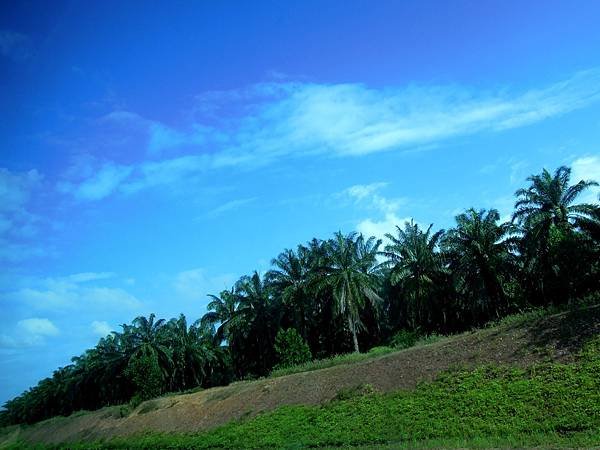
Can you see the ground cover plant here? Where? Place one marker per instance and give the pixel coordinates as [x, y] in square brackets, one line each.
[546, 404]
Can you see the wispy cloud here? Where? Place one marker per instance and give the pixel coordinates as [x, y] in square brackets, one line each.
[101, 328]
[101, 184]
[73, 292]
[29, 332]
[587, 168]
[17, 224]
[369, 196]
[14, 45]
[258, 125]
[230, 206]
[196, 284]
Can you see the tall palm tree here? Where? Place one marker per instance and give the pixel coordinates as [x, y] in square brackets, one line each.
[289, 279]
[192, 352]
[259, 317]
[479, 252]
[225, 312]
[415, 264]
[547, 215]
[549, 201]
[350, 273]
[590, 224]
[146, 337]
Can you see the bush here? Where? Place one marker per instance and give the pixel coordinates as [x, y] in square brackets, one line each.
[291, 349]
[145, 373]
[404, 339]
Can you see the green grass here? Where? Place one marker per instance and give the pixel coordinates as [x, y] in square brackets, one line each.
[555, 405]
[348, 358]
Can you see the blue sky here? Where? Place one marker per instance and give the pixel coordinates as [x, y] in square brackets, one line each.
[152, 155]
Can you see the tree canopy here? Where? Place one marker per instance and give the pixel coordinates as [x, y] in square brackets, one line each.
[346, 293]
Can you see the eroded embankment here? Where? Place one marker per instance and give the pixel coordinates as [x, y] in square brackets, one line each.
[556, 338]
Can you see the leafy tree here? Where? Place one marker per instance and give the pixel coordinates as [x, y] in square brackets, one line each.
[146, 375]
[290, 348]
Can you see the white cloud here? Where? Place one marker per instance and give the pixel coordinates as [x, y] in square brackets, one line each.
[74, 292]
[15, 188]
[230, 206]
[14, 252]
[166, 172]
[29, 332]
[265, 122]
[587, 168]
[368, 195]
[101, 184]
[101, 328]
[90, 276]
[38, 327]
[362, 191]
[17, 224]
[196, 284]
[379, 228]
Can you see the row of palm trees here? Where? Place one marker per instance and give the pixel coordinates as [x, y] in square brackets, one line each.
[347, 293]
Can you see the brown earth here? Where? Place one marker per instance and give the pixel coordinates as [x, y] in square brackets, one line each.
[556, 338]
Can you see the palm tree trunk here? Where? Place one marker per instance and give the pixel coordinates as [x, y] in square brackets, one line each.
[354, 337]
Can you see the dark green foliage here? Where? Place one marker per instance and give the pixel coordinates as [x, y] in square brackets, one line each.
[145, 373]
[404, 339]
[291, 349]
[343, 294]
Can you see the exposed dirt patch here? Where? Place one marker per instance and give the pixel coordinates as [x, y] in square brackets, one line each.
[556, 338]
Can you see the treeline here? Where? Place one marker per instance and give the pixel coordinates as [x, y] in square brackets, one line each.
[346, 293]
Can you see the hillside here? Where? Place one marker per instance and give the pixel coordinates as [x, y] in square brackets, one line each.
[516, 342]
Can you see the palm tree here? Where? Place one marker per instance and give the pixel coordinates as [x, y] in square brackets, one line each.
[146, 337]
[259, 318]
[590, 225]
[350, 274]
[224, 311]
[547, 216]
[415, 264]
[289, 279]
[192, 352]
[479, 252]
[548, 201]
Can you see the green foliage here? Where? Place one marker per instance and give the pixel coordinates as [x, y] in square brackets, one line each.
[550, 404]
[336, 295]
[145, 374]
[291, 349]
[353, 392]
[404, 339]
[336, 360]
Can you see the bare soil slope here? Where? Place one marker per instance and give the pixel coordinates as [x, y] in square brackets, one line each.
[556, 338]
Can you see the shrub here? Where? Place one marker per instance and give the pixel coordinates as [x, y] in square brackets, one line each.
[404, 339]
[143, 370]
[291, 349]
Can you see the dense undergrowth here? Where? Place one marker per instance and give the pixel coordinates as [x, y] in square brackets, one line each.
[547, 404]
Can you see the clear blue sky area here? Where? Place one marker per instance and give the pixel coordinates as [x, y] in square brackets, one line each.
[153, 152]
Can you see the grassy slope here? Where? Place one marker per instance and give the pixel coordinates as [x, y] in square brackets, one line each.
[489, 406]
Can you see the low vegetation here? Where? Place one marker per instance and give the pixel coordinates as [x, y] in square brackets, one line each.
[344, 294]
[546, 404]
